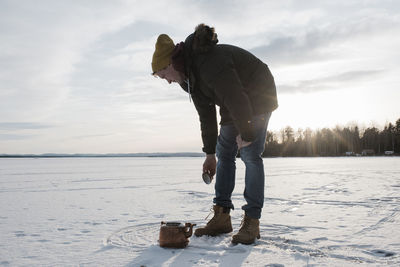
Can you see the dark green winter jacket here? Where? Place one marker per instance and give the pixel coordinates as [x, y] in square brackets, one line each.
[232, 78]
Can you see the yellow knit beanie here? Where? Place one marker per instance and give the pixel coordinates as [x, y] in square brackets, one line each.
[163, 52]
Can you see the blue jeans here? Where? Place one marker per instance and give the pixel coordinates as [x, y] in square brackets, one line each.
[251, 155]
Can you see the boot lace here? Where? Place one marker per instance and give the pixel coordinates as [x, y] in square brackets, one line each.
[211, 211]
[244, 225]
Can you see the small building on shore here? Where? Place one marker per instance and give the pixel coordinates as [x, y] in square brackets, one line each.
[368, 152]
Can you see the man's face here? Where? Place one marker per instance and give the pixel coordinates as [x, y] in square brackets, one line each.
[170, 74]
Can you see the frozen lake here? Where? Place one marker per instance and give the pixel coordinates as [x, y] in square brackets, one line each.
[107, 211]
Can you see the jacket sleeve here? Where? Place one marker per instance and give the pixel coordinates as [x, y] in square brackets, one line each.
[229, 90]
[208, 124]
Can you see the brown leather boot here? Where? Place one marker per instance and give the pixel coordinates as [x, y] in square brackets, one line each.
[219, 224]
[249, 231]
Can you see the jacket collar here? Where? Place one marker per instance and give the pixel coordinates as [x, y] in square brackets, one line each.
[188, 85]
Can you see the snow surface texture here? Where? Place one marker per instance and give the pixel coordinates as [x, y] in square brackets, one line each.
[107, 212]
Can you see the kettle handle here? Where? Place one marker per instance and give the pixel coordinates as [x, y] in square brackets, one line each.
[188, 229]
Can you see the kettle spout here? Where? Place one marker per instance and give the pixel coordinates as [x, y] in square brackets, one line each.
[189, 229]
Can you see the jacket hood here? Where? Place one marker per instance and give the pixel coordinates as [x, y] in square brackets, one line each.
[201, 41]
[204, 39]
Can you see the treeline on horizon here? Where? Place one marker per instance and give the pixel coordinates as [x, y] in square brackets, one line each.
[339, 141]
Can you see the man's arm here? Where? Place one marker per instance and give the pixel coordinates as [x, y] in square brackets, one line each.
[209, 133]
[208, 124]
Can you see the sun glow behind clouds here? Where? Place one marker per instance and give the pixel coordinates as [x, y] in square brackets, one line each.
[358, 103]
[352, 79]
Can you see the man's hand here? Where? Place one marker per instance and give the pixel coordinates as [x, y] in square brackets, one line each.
[210, 165]
[241, 143]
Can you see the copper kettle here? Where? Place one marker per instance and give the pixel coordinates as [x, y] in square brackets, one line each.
[175, 234]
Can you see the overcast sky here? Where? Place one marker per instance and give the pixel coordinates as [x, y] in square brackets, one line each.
[75, 75]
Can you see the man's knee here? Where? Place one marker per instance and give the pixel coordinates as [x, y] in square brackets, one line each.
[250, 155]
[225, 152]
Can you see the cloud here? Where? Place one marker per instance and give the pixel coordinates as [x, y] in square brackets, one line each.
[21, 130]
[23, 125]
[40, 47]
[90, 136]
[323, 42]
[334, 82]
[86, 65]
[10, 137]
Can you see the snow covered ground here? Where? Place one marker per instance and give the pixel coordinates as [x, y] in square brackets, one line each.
[107, 212]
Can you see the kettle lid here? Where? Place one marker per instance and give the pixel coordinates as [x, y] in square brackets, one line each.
[172, 223]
